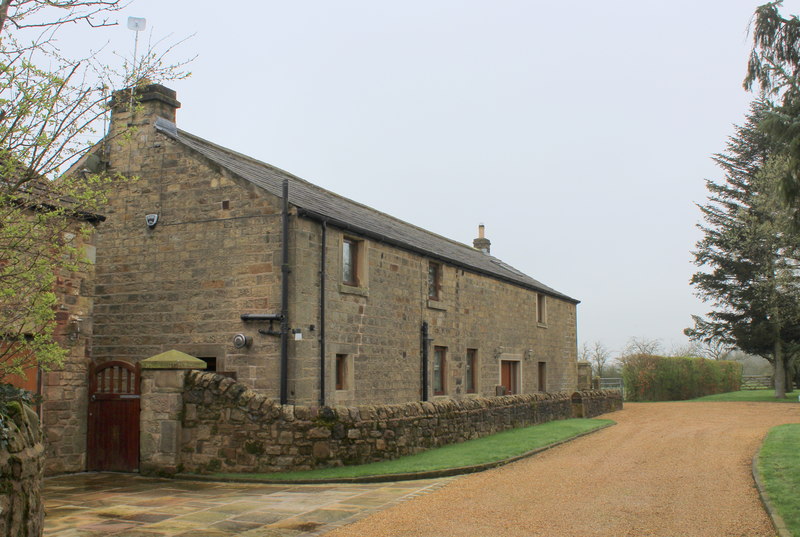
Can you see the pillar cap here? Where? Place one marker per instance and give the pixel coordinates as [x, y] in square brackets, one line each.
[173, 360]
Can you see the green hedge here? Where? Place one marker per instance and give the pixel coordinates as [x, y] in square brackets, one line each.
[659, 378]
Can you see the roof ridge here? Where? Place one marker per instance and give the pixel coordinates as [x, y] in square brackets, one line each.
[313, 199]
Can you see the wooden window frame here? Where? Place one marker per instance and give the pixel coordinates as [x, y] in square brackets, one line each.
[435, 286]
[350, 252]
[541, 377]
[470, 371]
[440, 354]
[541, 309]
[341, 372]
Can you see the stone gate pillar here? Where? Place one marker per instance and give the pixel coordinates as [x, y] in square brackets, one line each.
[162, 384]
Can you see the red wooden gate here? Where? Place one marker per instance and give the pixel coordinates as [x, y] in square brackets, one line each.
[113, 429]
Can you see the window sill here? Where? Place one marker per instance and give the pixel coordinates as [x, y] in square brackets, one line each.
[541, 325]
[436, 305]
[351, 290]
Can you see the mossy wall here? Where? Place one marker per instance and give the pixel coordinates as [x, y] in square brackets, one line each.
[21, 472]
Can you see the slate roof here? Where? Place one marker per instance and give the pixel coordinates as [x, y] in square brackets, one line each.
[316, 202]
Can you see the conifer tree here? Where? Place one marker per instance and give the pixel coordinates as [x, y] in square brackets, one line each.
[749, 255]
[774, 68]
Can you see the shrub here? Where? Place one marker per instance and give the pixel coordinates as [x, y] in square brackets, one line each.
[658, 378]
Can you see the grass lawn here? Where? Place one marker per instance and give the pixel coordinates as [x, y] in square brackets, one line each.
[780, 473]
[766, 396]
[489, 449]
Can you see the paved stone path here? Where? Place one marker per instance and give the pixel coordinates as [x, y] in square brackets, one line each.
[665, 470]
[125, 505]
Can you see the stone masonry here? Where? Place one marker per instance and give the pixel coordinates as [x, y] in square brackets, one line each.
[64, 389]
[21, 470]
[225, 426]
[215, 254]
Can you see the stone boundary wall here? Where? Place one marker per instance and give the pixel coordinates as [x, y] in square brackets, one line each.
[21, 472]
[227, 427]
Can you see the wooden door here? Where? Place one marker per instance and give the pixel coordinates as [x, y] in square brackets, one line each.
[113, 428]
[508, 376]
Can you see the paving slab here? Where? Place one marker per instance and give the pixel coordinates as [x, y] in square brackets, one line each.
[130, 505]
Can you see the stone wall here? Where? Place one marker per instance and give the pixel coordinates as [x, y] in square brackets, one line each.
[64, 390]
[215, 253]
[590, 403]
[228, 427]
[21, 471]
[376, 326]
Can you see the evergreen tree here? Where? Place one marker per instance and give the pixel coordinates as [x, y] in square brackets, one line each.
[774, 67]
[749, 254]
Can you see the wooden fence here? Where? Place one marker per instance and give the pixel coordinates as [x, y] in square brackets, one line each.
[757, 382]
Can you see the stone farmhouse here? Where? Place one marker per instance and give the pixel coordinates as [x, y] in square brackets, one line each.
[304, 296]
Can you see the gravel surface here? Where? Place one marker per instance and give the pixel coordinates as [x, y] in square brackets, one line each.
[665, 469]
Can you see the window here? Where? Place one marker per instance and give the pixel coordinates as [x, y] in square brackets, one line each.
[350, 265]
[341, 372]
[541, 309]
[434, 280]
[470, 369]
[439, 365]
[542, 376]
[211, 362]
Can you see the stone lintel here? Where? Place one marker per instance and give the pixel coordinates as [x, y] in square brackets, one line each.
[173, 360]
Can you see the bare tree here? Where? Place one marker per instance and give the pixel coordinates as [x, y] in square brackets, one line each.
[642, 345]
[49, 107]
[600, 356]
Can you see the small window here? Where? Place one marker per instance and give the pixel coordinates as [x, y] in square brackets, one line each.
[470, 370]
[542, 376]
[341, 372]
[541, 309]
[439, 367]
[211, 362]
[434, 280]
[350, 262]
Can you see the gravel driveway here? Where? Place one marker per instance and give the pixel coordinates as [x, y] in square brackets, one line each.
[665, 469]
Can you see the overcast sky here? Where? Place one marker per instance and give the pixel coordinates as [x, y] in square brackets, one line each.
[580, 133]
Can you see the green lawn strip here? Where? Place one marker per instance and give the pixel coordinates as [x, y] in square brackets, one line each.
[779, 468]
[765, 396]
[497, 447]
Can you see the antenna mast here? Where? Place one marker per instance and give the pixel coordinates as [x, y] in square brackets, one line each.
[137, 24]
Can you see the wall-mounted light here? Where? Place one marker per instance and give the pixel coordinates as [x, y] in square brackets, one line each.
[241, 341]
[151, 220]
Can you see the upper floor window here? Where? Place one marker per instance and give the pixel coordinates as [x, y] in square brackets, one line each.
[541, 309]
[350, 264]
[434, 280]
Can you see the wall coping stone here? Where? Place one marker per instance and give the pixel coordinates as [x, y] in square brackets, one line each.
[173, 360]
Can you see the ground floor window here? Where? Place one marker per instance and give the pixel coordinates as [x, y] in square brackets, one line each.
[439, 366]
[542, 376]
[470, 371]
[341, 372]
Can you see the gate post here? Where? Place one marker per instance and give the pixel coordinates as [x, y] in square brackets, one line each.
[162, 384]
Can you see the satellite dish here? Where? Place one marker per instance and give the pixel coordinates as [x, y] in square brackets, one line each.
[137, 24]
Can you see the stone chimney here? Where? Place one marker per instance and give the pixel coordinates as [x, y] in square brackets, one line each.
[482, 243]
[149, 102]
